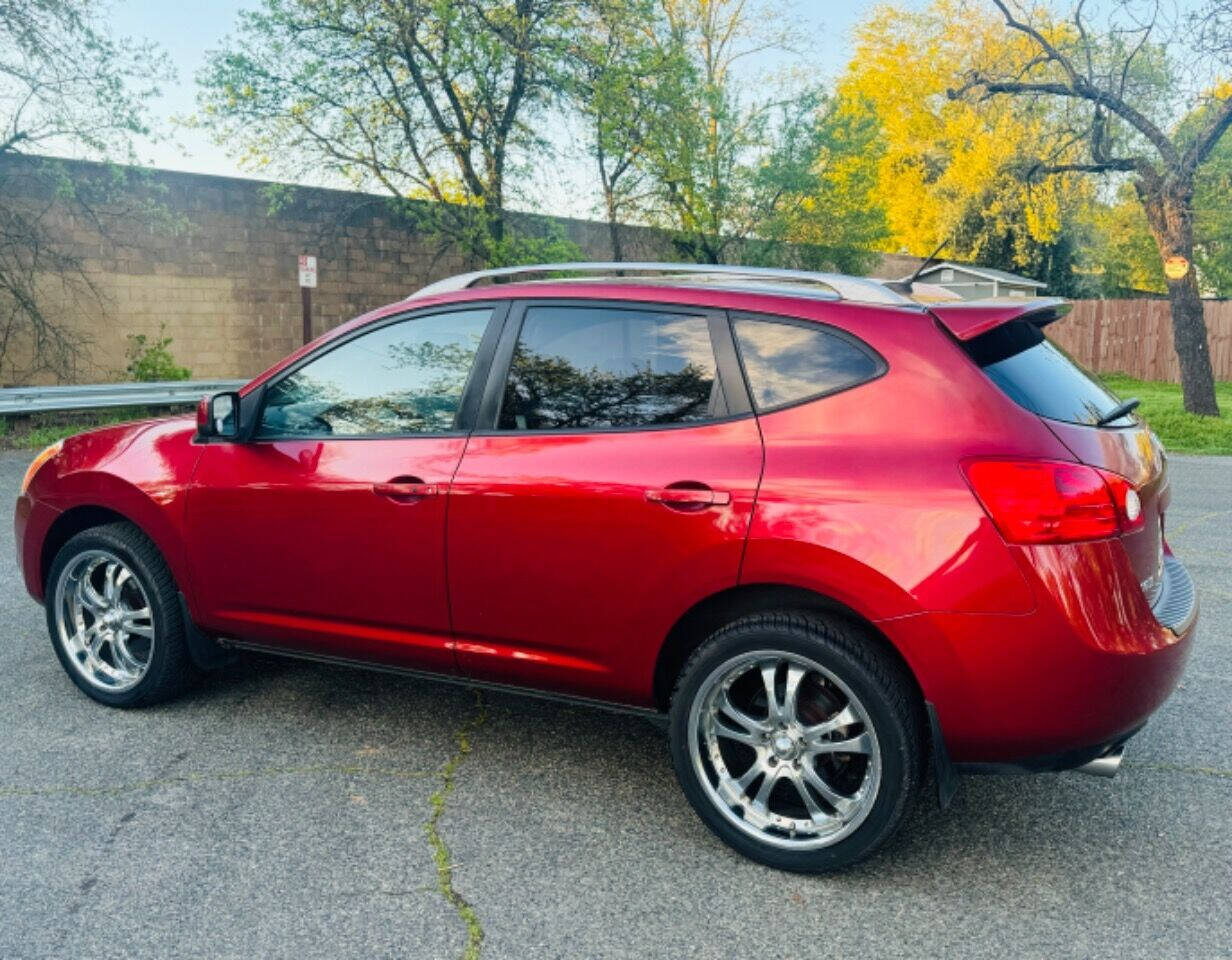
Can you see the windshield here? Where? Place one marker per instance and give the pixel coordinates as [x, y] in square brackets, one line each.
[1038, 375]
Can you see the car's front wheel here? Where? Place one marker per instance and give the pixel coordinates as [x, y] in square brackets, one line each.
[114, 617]
[797, 740]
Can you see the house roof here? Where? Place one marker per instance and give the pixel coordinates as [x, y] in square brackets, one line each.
[986, 273]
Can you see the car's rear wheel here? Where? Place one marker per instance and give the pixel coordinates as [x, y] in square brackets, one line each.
[114, 617]
[797, 740]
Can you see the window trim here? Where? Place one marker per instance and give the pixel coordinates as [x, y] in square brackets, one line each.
[882, 366]
[464, 419]
[727, 370]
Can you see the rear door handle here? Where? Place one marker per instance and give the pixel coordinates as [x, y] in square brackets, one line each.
[689, 497]
[405, 490]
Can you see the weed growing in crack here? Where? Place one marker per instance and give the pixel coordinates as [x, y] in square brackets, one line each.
[440, 851]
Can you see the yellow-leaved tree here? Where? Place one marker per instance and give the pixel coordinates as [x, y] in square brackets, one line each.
[950, 171]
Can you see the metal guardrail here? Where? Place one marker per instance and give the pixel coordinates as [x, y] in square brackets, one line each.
[22, 400]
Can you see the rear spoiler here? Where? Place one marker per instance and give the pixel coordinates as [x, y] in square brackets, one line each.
[970, 318]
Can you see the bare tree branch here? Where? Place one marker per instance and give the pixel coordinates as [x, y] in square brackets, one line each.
[62, 79]
[1114, 104]
[1115, 165]
[1041, 41]
[1216, 127]
[1078, 87]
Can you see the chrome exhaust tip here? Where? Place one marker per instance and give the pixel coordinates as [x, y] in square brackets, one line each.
[1104, 766]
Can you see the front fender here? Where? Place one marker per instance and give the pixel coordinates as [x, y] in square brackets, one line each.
[139, 472]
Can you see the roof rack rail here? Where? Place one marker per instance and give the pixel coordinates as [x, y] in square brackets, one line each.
[841, 286]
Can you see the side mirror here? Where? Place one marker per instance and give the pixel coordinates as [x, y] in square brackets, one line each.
[218, 416]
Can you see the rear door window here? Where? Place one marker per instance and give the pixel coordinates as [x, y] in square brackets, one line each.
[1036, 374]
[789, 362]
[588, 368]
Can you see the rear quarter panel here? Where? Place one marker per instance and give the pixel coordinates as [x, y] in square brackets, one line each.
[862, 496]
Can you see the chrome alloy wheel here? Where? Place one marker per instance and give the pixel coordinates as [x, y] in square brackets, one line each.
[104, 620]
[784, 750]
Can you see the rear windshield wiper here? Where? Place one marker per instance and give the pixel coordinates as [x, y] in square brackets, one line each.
[1120, 410]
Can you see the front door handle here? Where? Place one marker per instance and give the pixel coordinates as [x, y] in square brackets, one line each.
[689, 497]
[405, 489]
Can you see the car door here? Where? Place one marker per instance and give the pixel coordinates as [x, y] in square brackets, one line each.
[608, 487]
[325, 532]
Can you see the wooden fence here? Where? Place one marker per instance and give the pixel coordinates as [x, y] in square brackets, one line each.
[1135, 337]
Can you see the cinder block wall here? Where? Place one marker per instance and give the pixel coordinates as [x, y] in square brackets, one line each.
[225, 284]
[225, 288]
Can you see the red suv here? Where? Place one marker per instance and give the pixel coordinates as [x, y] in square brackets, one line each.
[836, 538]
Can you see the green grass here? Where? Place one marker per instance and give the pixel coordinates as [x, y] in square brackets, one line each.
[41, 429]
[1180, 432]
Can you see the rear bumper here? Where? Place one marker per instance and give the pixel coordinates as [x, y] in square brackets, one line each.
[1176, 607]
[1057, 687]
[1056, 762]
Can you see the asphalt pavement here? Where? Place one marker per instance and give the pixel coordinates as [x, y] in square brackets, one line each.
[287, 809]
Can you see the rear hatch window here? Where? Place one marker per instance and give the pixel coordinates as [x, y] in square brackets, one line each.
[1036, 374]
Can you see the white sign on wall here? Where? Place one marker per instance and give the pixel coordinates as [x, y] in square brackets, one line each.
[307, 271]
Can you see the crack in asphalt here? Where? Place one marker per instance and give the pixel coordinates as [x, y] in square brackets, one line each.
[75, 790]
[446, 774]
[440, 850]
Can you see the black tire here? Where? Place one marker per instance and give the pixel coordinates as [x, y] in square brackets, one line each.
[884, 690]
[169, 670]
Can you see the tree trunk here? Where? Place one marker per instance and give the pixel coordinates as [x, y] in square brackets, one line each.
[493, 201]
[1169, 213]
[1192, 348]
[613, 226]
[496, 231]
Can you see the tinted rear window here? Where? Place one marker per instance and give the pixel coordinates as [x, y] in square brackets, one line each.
[586, 368]
[1036, 374]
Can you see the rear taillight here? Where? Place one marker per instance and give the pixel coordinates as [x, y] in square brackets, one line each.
[1041, 501]
[1128, 502]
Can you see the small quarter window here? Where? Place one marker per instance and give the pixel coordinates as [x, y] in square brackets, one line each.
[789, 362]
[586, 368]
[403, 378]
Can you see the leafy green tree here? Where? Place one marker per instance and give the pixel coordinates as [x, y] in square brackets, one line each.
[424, 99]
[695, 146]
[723, 169]
[1213, 220]
[821, 175]
[64, 82]
[620, 68]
